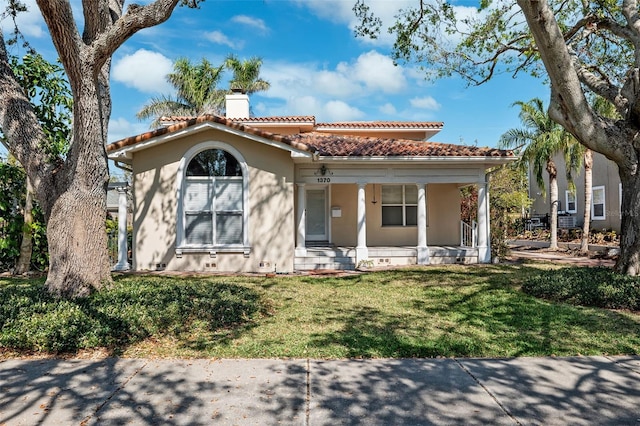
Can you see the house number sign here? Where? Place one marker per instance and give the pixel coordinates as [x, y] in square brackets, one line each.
[324, 180]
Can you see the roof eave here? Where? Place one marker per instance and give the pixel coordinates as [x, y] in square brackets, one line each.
[125, 154]
[494, 160]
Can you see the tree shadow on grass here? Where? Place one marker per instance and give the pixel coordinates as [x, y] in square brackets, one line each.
[474, 312]
[132, 310]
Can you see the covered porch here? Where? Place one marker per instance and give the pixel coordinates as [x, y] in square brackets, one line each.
[345, 258]
[343, 223]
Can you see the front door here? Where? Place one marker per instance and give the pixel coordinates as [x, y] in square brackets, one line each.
[316, 224]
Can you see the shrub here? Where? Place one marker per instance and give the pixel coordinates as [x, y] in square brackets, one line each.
[599, 287]
[132, 310]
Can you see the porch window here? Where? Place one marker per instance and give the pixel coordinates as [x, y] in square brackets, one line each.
[213, 202]
[570, 197]
[598, 211]
[399, 205]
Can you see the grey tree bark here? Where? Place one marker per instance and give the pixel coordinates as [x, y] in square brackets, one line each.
[72, 191]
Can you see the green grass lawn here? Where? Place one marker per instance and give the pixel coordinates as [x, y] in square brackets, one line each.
[474, 311]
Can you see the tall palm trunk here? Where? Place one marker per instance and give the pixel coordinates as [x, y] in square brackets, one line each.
[553, 198]
[588, 187]
[26, 247]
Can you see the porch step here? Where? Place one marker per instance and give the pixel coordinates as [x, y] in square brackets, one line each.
[448, 251]
[447, 255]
[323, 262]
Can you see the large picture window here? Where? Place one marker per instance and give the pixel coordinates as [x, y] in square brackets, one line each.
[399, 205]
[213, 200]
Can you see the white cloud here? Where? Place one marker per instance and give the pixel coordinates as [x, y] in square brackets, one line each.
[120, 128]
[256, 23]
[341, 11]
[218, 37]
[144, 70]
[370, 74]
[341, 93]
[340, 111]
[335, 83]
[378, 72]
[332, 110]
[388, 109]
[30, 22]
[426, 102]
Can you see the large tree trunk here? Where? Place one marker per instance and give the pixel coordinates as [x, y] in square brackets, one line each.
[629, 259]
[72, 191]
[76, 232]
[26, 246]
[588, 188]
[553, 198]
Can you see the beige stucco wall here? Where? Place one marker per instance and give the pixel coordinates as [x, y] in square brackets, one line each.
[605, 173]
[443, 217]
[271, 219]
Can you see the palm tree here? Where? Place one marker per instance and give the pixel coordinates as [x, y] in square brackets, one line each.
[537, 143]
[605, 109]
[197, 92]
[246, 75]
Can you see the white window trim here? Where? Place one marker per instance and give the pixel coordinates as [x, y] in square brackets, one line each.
[181, 245]
[404, 206]
[604, 203]
[575, 201]
[620, 198]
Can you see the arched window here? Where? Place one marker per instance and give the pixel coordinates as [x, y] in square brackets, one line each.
[213, 201]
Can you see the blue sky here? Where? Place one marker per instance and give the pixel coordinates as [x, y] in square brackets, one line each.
[315, 64]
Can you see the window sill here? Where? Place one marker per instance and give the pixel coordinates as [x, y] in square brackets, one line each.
[213, 251]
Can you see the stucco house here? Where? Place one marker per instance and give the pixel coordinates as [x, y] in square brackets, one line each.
[606, 196]
[286, 193]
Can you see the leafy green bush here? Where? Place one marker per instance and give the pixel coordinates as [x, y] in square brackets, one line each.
[12, 194]
[599, 287]
[132, 310]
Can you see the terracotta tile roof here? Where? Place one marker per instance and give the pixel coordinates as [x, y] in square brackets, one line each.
[383, 125]
[361, 146]
[330, 145]
[282, 119]
[285, 119]
[133, 140]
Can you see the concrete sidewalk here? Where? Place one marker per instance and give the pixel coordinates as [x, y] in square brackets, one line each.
[519, 391]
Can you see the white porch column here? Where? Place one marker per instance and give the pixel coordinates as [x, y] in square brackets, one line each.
[423, 249]
[484, 247]
[301, 237]
[123, 263]
[362, 252]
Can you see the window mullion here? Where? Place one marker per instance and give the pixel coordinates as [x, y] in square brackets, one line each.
[404, 206]
[214, 213]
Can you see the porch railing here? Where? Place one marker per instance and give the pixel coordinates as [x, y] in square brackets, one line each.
[468, 234]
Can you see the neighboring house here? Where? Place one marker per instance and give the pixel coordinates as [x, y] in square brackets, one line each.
[286, 193]
[606, 198]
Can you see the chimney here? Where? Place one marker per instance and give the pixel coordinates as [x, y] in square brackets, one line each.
[237, 105]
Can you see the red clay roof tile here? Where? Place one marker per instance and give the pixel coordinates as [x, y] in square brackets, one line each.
[362, 146]
[383, 125]
[331, 145]
[133, 140]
